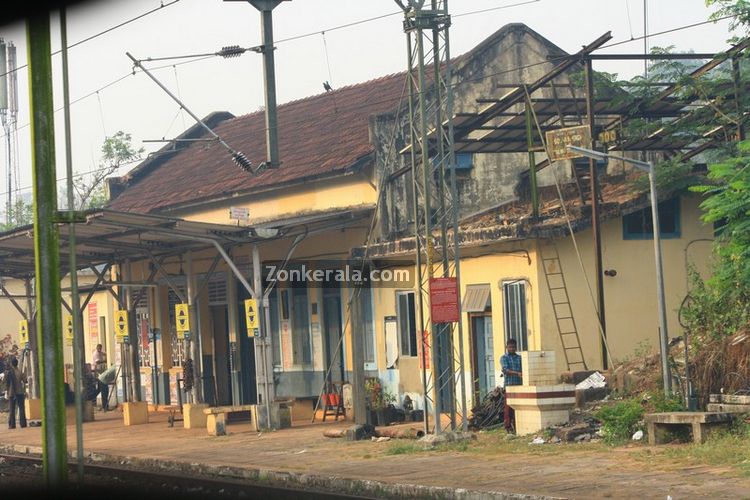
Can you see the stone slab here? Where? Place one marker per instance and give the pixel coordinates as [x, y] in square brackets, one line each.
[729, 399]
[688, 417]
[728, 408]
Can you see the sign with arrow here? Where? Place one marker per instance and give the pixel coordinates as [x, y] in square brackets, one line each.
[69, 329]
[182, 319]
[121, 325]
[251, 317]
[23, 332]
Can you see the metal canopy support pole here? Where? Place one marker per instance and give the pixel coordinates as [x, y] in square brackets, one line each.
[234, 358]
[46, 249]
[33, 340]
[361, 415]
[195, 334]
[660, 300]
[134, 357]
[595, 223]
[75, 301]
[263, 361]
[269, 73]
[159, 327]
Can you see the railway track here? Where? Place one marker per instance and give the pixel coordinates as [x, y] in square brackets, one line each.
[24, 473]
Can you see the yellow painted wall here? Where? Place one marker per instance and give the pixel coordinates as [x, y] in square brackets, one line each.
[342, 192]
[630, 296]
[10, 316]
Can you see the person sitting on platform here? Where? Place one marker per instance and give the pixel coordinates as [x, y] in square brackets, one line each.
[90, 384]
[105, 379]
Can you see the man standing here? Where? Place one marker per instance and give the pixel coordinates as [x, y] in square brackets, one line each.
[511, 365]
[15, 383]
[99, 359]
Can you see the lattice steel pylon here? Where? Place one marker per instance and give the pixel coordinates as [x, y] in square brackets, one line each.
[435, 203]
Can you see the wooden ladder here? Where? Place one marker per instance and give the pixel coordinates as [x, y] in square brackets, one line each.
[558, 293]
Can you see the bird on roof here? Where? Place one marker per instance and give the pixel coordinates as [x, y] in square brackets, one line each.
[327, 86]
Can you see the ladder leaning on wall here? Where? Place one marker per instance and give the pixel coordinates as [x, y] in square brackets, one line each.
[558, 293]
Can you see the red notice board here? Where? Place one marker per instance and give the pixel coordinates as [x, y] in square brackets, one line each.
[444, 300]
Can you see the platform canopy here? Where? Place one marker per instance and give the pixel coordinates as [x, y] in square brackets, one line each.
[110, 237]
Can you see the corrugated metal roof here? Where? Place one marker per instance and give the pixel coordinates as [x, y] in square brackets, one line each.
[110, 236]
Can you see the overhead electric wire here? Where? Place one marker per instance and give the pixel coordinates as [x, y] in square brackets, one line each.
[369, 103]
[161, 6]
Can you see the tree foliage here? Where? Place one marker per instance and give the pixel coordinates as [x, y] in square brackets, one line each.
[722, 304]
[117, 150]
[738, 10]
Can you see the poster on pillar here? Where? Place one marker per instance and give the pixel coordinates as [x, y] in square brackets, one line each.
[286, 344]
[68, 330]
[121, 325]
[182, 320]
[93, 323]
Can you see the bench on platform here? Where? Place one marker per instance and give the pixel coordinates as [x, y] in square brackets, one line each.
[700, 423]
[216, 417]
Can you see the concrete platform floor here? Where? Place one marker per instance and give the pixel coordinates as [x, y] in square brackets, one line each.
[599, 472]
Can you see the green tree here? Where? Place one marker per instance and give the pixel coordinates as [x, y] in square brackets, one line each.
[738, 9]
[21, 214]
[117, 150]
[722, 304]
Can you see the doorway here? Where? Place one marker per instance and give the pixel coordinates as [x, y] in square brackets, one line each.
[333, 333]
[483, 362]
[222, 370]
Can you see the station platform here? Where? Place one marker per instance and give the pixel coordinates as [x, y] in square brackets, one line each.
[302, 455]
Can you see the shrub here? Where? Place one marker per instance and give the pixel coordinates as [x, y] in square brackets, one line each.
[621, 420]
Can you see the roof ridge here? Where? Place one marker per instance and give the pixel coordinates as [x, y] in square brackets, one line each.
[353, 86]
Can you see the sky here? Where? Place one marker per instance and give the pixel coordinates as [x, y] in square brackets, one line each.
[334, 52]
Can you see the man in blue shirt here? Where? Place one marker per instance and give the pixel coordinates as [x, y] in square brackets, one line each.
[511, 365]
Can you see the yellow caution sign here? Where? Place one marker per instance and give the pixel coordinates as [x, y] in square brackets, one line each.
[23, 332]
[182, 317]
[68, 329]
[251, 317]
[121, 325]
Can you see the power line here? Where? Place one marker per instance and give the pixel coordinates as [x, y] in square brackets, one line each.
[161, 6]
[511, 70]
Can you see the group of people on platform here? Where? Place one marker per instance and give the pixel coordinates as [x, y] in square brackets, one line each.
[96, 381]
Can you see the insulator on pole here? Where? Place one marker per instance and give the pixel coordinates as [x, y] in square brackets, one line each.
[242, 161]
[231, 51]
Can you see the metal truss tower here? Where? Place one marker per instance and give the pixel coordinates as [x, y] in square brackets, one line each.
[435, 205]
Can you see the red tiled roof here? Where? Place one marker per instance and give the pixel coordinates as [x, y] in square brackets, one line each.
[319, 135]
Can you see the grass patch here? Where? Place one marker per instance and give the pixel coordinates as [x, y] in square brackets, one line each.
[404, 448]
[411, 447]
[621, 420]
[728, 448]
[723, 448]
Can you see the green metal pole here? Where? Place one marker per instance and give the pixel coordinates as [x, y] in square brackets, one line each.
[75, 303]
[46, 249]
